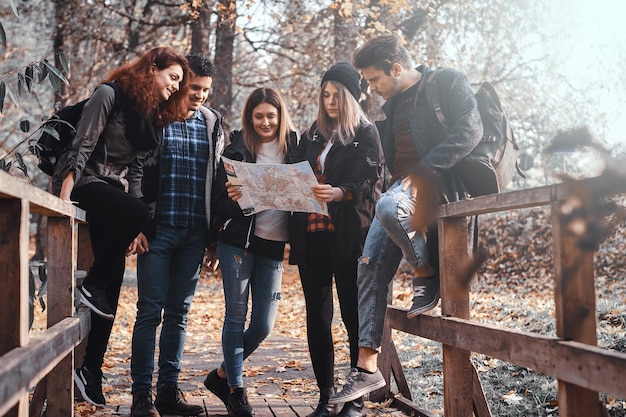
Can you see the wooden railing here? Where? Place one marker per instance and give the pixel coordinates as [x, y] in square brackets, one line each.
[582, 369]
[44, 360]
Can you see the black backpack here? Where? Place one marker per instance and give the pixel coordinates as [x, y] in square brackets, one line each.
[59, 130]
[488, 169]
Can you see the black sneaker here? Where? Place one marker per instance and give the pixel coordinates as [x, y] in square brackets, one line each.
[238, 405]
[217, 385]
[96, 300]
[425, 295]
[357, 385]
[142, 404]
[89, 383]
[171, 400]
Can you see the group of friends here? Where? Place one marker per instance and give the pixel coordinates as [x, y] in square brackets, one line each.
[145, 165]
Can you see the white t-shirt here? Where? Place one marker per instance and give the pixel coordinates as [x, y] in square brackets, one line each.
[271, 224]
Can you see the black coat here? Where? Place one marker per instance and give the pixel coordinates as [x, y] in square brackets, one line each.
[230, 224]
[440, 151]
[356, 167]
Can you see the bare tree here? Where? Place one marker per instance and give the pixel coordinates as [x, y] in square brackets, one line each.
[222, 96]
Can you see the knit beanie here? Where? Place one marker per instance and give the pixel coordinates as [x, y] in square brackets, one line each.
[347, 75]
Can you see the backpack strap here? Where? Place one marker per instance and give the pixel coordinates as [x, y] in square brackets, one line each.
[434, 97]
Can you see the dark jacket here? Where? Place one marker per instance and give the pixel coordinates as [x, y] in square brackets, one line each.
[229, 222]
[439, 151]
[355, 167]
[151, 185]
[109, 145]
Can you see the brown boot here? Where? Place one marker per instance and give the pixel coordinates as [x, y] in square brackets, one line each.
[170, 400]
[142, 404]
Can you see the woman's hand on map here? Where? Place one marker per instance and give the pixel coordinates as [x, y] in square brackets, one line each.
[327, 193]
[234, 191]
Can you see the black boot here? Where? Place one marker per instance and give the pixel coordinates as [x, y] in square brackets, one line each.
[142, 404]
[354, 408]
[238, 404]
[170, 400]
[324, 409]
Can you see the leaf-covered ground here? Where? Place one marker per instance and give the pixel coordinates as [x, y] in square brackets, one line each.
[513, 289]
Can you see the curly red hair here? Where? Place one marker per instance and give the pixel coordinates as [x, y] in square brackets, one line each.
[137, 81]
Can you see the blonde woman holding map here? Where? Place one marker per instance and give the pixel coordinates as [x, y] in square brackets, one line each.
[344, 151]
[250, 248]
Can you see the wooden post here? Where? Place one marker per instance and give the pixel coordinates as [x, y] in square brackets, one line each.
[85, 253]
[457, 368]
[14, 236]
[575, 310]
[61, 265]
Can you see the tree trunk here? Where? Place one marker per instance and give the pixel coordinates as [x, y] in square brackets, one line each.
[222, 95]
[345, 32]
[58, 44]
[200, 33]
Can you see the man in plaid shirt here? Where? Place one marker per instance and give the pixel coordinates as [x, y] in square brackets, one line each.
[177, 183]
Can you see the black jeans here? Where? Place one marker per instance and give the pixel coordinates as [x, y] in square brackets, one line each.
[115, 219]
[322, 262]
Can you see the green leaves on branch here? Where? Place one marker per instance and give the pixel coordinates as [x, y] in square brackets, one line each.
[35, 72]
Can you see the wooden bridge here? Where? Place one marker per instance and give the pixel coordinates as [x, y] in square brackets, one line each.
[46, 361]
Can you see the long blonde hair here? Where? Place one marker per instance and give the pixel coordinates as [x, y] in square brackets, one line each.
[350, 116]
[285, 126]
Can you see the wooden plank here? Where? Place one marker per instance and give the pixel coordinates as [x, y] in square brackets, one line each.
[481, 407]
[14, 272]
[575, 310]
[84, 258]
[384, 358]
[457, 368]
[580, 364]
[23, 367]
[37, 400]
[301, 408]
[279, 407]
[60, 266]
[261, 408]
[14, 226]
[531, 197]
[410, 408]
[41, 201]
[398, 373]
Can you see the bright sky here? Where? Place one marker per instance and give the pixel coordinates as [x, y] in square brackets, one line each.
[595, 38]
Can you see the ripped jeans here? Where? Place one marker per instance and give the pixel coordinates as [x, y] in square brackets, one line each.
[389, 238]
[243, 272]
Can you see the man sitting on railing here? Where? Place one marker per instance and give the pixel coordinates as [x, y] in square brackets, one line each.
[413, 141]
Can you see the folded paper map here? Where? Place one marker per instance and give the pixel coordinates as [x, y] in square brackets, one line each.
[274, 186]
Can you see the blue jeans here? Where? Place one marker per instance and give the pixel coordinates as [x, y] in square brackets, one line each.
[166, 282]
[244, 272]
[389, 238]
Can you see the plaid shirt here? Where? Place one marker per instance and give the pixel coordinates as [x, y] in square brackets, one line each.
[318, 222]
[184, 160]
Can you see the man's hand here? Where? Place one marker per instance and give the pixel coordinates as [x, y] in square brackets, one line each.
[138, 246]
[407, 183]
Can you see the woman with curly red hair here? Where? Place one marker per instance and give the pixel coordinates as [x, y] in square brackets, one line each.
[102, 171]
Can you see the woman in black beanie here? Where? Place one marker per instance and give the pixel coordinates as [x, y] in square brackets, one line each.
[344, 151]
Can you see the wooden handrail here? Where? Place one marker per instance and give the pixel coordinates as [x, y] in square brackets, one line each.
[49, 356]
[572, 357]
